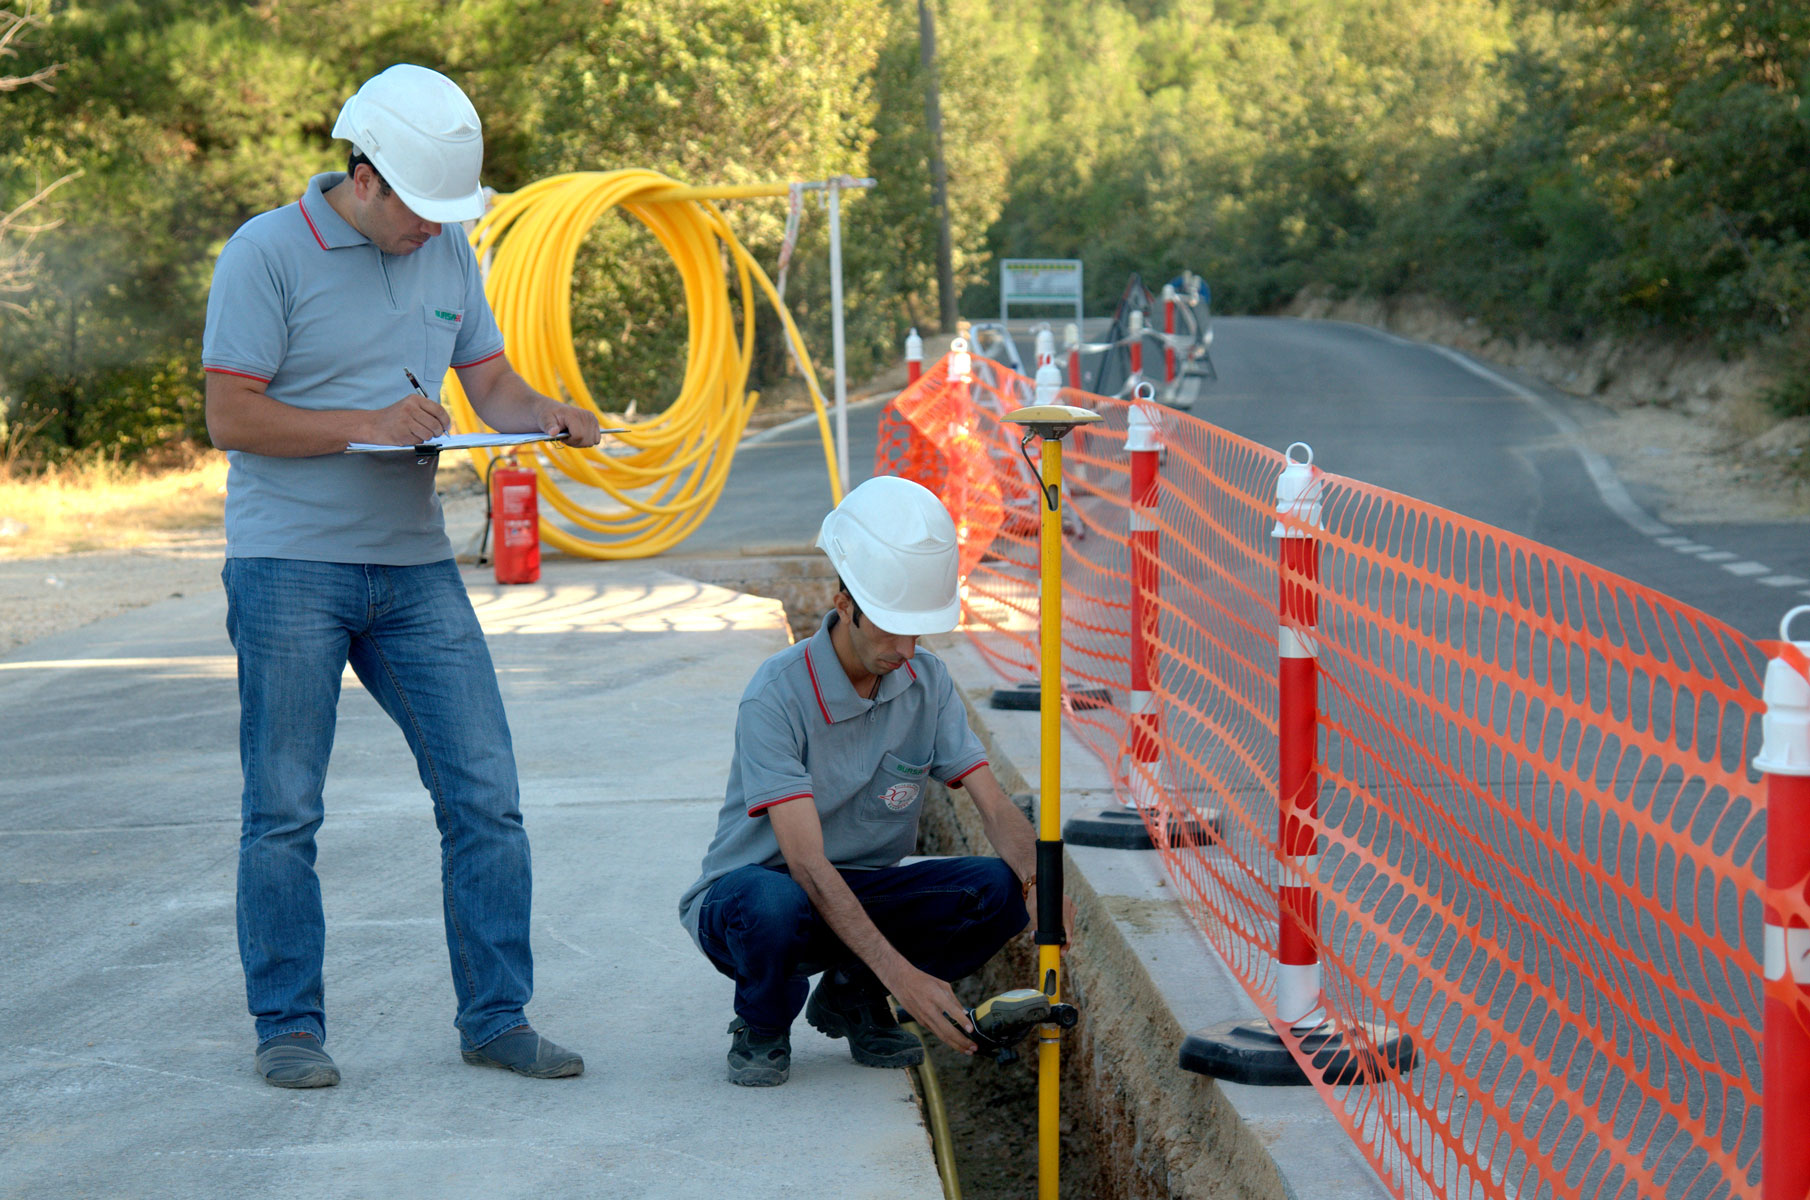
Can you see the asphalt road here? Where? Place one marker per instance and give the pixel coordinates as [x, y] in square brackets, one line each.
[778, 490]
[1493, 445]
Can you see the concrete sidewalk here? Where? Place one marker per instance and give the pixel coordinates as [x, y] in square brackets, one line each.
[126, 1066]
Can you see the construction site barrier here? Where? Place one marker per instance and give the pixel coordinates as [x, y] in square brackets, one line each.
[1523, 825]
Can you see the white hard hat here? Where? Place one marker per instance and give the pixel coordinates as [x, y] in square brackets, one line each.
[424, 138]
[894, 545]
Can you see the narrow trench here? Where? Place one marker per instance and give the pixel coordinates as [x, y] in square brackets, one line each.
[992, 1109]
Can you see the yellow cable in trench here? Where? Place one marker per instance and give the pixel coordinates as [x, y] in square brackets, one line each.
[942, 1143]
[661, 477]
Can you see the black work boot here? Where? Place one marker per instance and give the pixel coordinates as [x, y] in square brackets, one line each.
[758, 1059]
[865, 1019]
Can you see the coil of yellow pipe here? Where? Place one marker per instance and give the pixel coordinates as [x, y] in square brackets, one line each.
[661, 477]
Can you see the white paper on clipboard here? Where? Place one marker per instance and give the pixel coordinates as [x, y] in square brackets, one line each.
[460, 441]
[454, 441]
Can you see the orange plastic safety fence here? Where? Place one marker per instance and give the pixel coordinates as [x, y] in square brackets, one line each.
[1540, 842]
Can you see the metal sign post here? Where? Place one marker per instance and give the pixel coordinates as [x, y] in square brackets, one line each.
[833, 199]
[835, 203]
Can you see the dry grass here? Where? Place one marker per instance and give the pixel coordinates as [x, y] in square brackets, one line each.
[99, 504]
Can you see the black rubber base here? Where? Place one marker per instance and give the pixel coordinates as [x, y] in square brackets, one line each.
[1028, 697]
[1114, 829]
[1123, 829]
[1250, 1052]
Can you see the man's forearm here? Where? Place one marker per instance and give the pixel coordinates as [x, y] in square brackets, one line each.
[1007, 830]
[259, 424]
[511, 406]
[830, 895]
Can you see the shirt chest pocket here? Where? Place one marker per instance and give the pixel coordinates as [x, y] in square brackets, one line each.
[895, 793]
[441, 327]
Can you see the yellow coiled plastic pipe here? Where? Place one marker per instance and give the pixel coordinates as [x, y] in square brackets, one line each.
[663, 475]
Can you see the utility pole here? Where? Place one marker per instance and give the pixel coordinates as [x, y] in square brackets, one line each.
[939, 173]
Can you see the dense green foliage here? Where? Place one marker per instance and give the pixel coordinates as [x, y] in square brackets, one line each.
[1561, 167]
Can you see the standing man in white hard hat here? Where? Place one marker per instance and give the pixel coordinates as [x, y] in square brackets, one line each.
[835, 741]
[318, 310]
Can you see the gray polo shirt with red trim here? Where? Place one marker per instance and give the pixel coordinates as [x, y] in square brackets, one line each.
[802, 732]
[306, 303]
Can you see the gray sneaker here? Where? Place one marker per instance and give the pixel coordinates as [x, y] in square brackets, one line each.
[873, 1033]
[758, 1059]
[296, 1060]
[526, 1053]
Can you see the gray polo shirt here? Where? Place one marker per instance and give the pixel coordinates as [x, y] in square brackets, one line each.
[803, 732]
[306, 303]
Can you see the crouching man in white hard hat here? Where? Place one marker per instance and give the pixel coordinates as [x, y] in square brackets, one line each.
[319, 313]
[836, 739]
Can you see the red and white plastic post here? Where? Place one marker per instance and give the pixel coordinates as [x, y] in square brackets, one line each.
[1260, 1051]
[1143, 442]
[1169, 328]
[1049, 375]
[1784, 759]
[1071, 336]
[1298, 491]
[1136, 337]
[914, 357]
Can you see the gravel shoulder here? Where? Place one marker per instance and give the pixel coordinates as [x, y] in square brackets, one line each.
[42, 596]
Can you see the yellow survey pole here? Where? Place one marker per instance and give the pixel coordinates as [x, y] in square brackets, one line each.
[1051, 422]
[1049, 821]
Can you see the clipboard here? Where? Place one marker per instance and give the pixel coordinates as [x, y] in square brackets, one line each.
[463, 441]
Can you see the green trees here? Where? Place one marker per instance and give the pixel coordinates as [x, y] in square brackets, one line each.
[1558, 166]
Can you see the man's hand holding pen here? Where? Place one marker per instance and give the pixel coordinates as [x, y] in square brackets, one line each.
[411, 420]
[417, 417]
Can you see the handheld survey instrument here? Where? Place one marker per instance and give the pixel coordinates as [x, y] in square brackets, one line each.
[1002, 1021]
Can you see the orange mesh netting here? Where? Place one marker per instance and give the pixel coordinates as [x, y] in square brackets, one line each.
[1541, 846]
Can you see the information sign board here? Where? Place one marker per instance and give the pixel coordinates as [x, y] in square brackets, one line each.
[1039, 281]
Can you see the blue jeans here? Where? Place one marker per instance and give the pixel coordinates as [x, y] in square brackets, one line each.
[414, 642]
[947, 916]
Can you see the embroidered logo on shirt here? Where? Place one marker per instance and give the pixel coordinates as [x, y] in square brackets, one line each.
[447, 315]
[900, 796]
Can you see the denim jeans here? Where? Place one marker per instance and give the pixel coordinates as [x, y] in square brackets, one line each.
[414, 642]
[947, 916]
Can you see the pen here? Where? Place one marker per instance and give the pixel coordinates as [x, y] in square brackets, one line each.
[417, 386]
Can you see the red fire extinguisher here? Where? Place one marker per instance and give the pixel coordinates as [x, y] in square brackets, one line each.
[515, 521]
